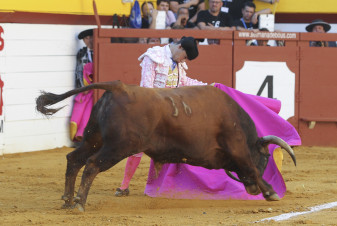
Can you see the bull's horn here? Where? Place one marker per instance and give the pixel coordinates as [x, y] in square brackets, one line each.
[232, 176]
[276, 140]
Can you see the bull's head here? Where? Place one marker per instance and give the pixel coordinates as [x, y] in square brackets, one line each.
[261, 161]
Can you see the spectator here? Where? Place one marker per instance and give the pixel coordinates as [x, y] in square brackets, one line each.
[163, 5]
[147, 10]
[193, 6]
[258, 42]
[142, 40]
[153, 41]
[320, 26]
[234, 7]
[83, 102]
[182, 19]
[213, 18]
[162, 67]
[249, 20]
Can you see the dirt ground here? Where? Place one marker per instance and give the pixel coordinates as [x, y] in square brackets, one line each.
[31, 185]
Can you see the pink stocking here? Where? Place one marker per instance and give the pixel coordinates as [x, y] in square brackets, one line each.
[130, 169]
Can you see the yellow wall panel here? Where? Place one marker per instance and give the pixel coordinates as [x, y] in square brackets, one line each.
[110, 7]
[301, 6]
[82, 7]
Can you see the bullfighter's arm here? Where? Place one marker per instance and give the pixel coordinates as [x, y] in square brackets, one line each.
[193, 82]
[187, 81]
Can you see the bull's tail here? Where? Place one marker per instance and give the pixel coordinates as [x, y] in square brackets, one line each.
[48, 99]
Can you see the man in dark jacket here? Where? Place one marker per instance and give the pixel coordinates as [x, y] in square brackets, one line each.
[84, 55]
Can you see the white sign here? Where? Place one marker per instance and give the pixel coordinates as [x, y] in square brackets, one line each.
[269, 79]
[161, 20]
[267, 21]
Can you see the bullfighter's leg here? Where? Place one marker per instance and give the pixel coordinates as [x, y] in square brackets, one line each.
[101, 161]
[75, 161]
[130, 169]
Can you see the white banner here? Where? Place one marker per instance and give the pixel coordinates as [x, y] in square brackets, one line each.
[269, 79]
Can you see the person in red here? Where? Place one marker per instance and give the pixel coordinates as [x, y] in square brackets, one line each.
[162, 67]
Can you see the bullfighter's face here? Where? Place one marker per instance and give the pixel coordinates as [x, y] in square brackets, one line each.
[88, 41]
[179, 55]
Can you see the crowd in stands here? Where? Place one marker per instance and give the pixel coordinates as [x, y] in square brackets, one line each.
[240, 15]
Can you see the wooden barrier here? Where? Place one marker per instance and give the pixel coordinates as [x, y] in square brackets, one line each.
[318, 95]
[120, 60]
[315, 109]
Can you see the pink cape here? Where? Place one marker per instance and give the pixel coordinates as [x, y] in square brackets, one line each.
[183, 181]
[83, 103]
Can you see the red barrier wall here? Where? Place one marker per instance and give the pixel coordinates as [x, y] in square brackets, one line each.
[315, 81]
[318, 92]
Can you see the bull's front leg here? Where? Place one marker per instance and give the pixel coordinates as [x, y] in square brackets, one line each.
[267, 190]
[254, 185]
[252, 179]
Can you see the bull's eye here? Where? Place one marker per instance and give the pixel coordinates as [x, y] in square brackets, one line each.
[266, 161]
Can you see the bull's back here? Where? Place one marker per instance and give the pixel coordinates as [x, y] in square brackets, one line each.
[201, 115]
[193, 117]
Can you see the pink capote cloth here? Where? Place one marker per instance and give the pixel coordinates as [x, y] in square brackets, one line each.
[183, 181]
[83, 103]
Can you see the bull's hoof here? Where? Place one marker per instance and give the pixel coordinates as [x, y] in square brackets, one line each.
[273, 197]
[77, 199]
[119, 192]
[66, 206]
[67, 202]
[79, 206]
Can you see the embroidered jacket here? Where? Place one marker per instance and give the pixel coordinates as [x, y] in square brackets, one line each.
[156, 64]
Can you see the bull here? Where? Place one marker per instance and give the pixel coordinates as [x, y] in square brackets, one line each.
[199, 125]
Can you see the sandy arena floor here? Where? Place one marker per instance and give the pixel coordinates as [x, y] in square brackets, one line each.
[31, 185]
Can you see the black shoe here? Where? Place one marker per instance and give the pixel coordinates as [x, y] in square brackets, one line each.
[119, 192]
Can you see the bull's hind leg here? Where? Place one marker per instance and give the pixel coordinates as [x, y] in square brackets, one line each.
[101, 161]
[75, 161]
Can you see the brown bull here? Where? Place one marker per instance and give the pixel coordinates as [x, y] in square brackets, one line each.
[199, 125]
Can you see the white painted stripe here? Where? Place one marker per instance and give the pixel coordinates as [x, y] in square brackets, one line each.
[286, 216]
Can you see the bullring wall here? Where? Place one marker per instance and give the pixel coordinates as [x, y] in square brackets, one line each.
[302, 77]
